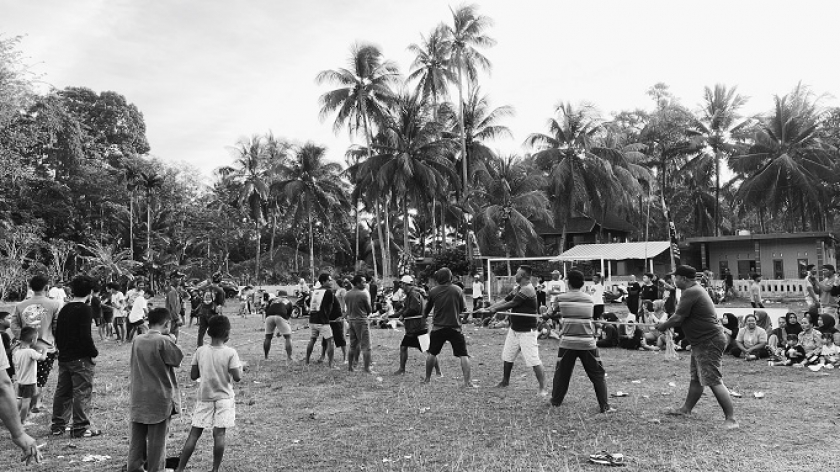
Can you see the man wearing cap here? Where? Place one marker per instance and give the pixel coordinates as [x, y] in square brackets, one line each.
[414, 320]
[697, 316]
[522, 333]
[828, 300]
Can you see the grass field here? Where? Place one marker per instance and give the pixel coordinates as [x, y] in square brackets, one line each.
[315, 418]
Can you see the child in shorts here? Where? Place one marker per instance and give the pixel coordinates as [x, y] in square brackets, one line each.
[794, 353]
[216, 364]
[25, 359]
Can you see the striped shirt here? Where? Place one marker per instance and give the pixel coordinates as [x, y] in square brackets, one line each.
[576, 311]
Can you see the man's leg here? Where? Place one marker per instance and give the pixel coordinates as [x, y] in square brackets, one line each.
[403, 360]
[138, 435]
[355, 340]
[287, 339]
[539, 372]
[156, 451]
[509, 353]
[267, 344]
[202, 330]
[189, 448]
[323, 350]
[465, 368]
[431, 362]
[507, 368]
[330, 352]
[310, 346]
[62, 399]
[82, 390]
[724, 399]
[595, 371]
[218, 447]
[562, 375]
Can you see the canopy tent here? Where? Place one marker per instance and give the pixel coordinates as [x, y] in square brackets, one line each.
[613, 252]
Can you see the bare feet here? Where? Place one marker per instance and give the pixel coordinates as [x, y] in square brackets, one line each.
[543, 392]
[399, 372]
[502, 385]
[677, 412]
[730, 424]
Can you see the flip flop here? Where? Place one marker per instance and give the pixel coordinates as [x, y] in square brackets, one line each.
[675, 412]
[605, 458]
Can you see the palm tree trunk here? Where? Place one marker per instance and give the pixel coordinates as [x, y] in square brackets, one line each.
[131, 223]
[273, 233]
[373, 248]
[148, 226]
[311, 246]
[369, 139]
[443, 224]
[257, 259]
[434, 229]
[406, 247]
[386, 252]
[465, 189]
[717, 195]
[357, 262]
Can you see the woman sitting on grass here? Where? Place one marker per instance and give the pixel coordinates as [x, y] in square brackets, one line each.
[809, 338]
[776, 340]
[751, 342]
[730, 329]
[827, 325]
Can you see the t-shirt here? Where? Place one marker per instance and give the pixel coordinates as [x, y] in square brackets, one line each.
[358, 304]
[153, 383]
[336, 311]
[477, 290]
[214, 364]
[525, 299]
[38, 312]
[174, 304]
[130, 296]
[321, 306]
[72, 333]
[696, 315]
[118, 302]
[794, 353]
[57, 294]
[755, 292]
[26, 365]
[4, 360]
[95, 307]
[138, 309]
[597, 292]
[649, 292]
[576, 309]
[830, 351]
[279, 307]
[751, 338]
[448, 302]
[555, 287]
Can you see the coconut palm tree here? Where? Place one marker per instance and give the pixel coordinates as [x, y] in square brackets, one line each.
[714, 132]
[363, 95]
[105, 260]
[510, 200]
[571, 156]
[465, 36]
[432, 66]
[411, 159]
[788, 169]
[149, 181]
[315, 187]
[130, 176]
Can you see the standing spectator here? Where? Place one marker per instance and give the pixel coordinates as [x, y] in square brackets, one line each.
[477, 292]
[649, 291]
[137, 315]
[358, 309]
[555, 286]
[174, 304]
[107, 312]
[541, 295]
[728, 284]
[373, 289]
[634, 290]
[669, 294]
[154, 392]
[38, 312]
[218, 366]
[829, 290]
[522, 333]
[76, 352]
[96, 308]
[577, 340]
[218, 292]
[57, 293]
[447, 300]
[117, 303]
[6, 344]
[812, 289]
[414, 316]
[10, 416]
[755, 291]
[206, 310]
[597, 296]
[320, 310]
[698, 319]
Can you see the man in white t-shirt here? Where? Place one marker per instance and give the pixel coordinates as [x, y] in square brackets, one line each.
[137, 315]
[477, 292]
[597, 294]
[555, 286]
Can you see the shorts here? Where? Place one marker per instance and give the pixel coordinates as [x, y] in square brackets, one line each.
[108, 316]
[44, 368]
[360, 335]
[26, 391]
[338, 334]
[277, 323]
[524, 342]
[438, 337]
[410, 340]
[217, 414]
[97, 321]
[119, 320]
[323, 330]
[598, 312]
[706, 360]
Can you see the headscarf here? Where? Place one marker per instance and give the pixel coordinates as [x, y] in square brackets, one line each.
[763, 321]
[828, 325]
[794, 327]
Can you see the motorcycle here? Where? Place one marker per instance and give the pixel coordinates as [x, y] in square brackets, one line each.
[301, 306]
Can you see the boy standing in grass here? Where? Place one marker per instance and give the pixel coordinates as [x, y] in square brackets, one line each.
[154, 392]
[216, 364]
[25, 359]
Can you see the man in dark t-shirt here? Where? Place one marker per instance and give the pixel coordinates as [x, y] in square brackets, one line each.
[697, 316]
[320, 309]
[448, 302]
[522, 333]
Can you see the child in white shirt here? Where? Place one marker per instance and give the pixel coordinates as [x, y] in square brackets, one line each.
[25, 359]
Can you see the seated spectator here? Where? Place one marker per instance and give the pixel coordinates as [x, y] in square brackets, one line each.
[763, 321]
[827, 325]
[809, 338]
[777, 339]
[751, 341]
[793, 326]
[794, 354]
[629, 337]
[828, 356]
[730, 329]
[652, 339]
[609, 332]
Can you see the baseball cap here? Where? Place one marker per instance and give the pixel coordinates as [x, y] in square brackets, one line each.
[555, 272]
[685, 270]
[828, 267]
[407, 279]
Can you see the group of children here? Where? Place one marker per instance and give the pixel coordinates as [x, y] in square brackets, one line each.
[826, 356]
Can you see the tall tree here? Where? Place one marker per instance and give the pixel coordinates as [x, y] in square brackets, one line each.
[315, 187]
[363, 96]
[715, 131]
[149, 181]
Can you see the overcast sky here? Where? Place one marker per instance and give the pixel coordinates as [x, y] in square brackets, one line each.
[205, 73]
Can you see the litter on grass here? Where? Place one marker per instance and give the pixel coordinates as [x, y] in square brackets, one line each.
[95, 458]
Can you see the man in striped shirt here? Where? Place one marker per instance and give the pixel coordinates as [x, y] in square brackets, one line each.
[577, 340]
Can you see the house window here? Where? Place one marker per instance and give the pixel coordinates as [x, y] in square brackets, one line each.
[778, 269]
[746, 269]
[802, 267]
[724, 266]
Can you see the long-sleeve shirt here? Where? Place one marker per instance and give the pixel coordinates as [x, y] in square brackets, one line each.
[72, 333]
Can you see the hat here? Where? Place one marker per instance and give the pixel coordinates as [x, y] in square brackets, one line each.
[407, 279]
[477, 276]
[828, 267]
[555, 272]
[685, 270]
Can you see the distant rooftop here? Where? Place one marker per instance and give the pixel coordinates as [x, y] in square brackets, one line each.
[760, 237]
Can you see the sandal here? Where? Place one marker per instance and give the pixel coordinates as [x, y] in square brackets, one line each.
[87, 433]
[675, 412]
[605, 458]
